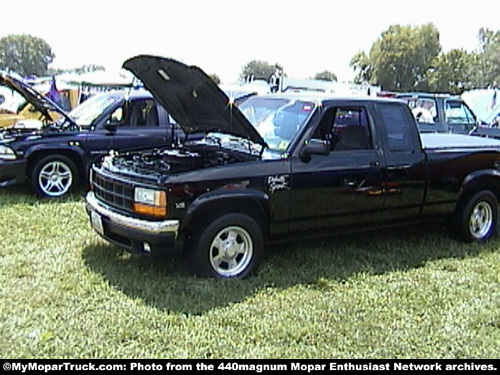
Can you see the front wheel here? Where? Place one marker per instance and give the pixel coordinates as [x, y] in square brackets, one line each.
[477, 218]
[54, 176]
[231, 246]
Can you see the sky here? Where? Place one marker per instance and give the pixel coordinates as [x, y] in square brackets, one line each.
[222, 36]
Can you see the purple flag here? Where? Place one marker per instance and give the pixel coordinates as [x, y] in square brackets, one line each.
[53, 92]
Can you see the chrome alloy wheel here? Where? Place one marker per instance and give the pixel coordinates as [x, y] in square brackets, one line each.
[55, 178]
[231, 251]
[481, 220]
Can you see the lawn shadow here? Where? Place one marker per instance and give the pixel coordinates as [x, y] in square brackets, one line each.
[165, 284]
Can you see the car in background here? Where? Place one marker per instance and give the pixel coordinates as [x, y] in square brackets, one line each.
[486, 105]
[440, 113]
[56, 158]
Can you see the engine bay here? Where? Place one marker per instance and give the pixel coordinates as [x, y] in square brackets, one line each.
[165, 161]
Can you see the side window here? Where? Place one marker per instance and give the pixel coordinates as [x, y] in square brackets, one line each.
[424, 110]
[346, 128]
[140, 112]
[117, 116]
[397, 125]
[171, 120]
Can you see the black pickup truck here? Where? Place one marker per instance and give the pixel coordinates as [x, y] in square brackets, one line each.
[282, 166]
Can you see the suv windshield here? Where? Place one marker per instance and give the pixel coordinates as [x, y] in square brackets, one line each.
[87, 112]
[277, 120]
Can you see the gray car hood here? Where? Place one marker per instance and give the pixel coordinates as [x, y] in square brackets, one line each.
[192, 98]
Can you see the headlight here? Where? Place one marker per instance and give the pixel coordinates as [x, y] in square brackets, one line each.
[150, 202]
[7, 153]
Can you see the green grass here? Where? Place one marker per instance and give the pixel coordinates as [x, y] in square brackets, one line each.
[402, 293]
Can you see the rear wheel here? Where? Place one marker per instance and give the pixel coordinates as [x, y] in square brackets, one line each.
[54, 176]
[477, 218]
[231, 246]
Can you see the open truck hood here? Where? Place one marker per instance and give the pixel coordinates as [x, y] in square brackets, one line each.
[193, 99]
[39, 101]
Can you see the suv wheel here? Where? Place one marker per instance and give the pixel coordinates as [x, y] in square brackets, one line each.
[231, 246]
[54, 176]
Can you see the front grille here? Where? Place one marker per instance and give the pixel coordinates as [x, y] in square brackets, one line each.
[112, 192]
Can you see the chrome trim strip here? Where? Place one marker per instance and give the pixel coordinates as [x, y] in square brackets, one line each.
[153, 227]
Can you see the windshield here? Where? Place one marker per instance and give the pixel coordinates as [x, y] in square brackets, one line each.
[87, 112]
[277, 120]
[457, 113]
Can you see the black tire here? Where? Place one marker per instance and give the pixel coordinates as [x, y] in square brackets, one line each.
[54, 176]
[476, 219]
[229, 247]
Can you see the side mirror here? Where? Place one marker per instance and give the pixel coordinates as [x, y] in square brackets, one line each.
[2, 99]
[114, 120]
[314, 147]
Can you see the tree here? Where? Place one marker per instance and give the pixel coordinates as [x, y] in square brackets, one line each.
[400, 58]
[488, 62]
[260, 70]
[326, 76]
[25, 54]
[452, 72]
[361, 64]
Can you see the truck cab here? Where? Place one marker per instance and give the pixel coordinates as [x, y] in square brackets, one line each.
[440, 113]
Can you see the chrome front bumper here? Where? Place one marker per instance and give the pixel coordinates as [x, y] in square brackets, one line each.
[145, 226]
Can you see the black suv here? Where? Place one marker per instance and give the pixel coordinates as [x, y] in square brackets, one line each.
[57, 158]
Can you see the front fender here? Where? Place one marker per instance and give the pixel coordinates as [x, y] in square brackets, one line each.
[73, 152]
[228, 199]
[54, 149]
